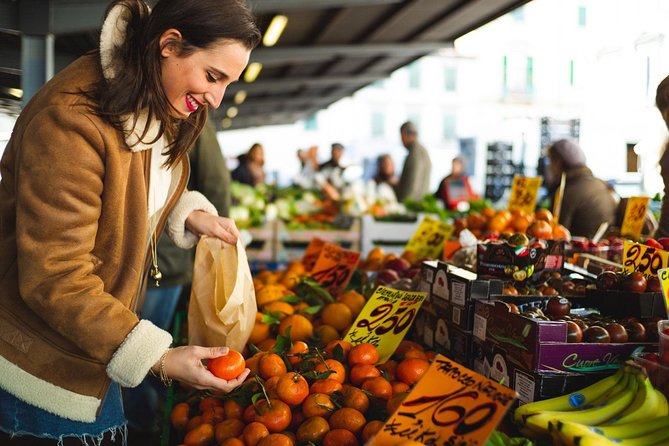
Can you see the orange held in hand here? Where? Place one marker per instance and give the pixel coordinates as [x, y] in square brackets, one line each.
[227, 367]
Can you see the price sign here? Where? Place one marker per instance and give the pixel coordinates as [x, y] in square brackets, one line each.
[524, 193]
[635, 215]
[646, 259]
[385, 319]
[450, 405]
[334, 267]
[663, 274]
[312, 252]
[428, 240]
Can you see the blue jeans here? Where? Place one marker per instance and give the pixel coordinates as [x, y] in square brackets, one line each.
[142, 403]
[20, 418]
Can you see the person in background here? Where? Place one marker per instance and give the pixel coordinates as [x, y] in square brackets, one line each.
[662, 103]
[332, 169]
[250, 169]
[385, 171]
[95, 169]
[587, 201]
[306, 177]
[455, 187]
[211, 177]
[415, 178]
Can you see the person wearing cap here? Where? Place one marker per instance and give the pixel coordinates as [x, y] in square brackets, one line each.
[587, 201]
[332, 168]
[415, 178]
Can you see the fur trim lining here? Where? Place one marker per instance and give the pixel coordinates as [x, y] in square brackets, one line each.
[140, 350]
[46, 396]
[134, 130]
[176, 223]
[111, 37]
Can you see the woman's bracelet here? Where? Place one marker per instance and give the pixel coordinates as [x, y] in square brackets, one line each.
[166, 380]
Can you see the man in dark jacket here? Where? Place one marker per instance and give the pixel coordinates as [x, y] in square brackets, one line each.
[587, 201]
[415, 178]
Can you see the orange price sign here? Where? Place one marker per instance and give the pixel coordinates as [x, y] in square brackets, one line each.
[428, 240]
[642, 258]
[385, 319]
[450, 405]
[334, 267]
[312, 252]
[635, 215]
[524, 193]
[663, 274]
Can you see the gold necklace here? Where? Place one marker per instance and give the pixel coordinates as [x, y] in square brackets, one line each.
[155, 272]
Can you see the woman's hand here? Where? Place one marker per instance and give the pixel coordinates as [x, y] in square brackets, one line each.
[203, 223]
[184, 364]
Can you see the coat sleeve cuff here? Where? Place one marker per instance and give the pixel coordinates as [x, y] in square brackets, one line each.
[140, 350]
[176, 224]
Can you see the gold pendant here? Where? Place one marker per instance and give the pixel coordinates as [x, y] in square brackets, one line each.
[156, 274]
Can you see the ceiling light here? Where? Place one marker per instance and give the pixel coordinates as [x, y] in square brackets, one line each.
[240, 97]
[232, 112]
[252, 71]
[226, 123]
[274, 30]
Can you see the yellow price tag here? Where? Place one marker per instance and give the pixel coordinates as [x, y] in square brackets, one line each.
[663, 274]
[524, 193]
[642, 258]
[385, 319]
[334, 268]
[450, 405]
[635, 215]
[428, 240]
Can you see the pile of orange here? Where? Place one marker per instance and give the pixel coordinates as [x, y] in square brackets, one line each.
[337, 395]
[539, 225]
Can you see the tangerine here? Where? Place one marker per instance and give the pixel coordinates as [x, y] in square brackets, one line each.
[296, 351]
[213, 415]
[194, 423]
[326, 334]
[349, 419]
[355, 398]
[399, 387]
[232, 441]
[363, 354]
[228, 429]
[376, 253]
[274, 414]
[276, 439]
[345, 348]
[540, 229]
[301, 328]
[326, 386]
[280, 307]
[267, 345]
[378, 387]
[334, 365]
[312, 430]
[208, 402]
[270, 365]
[227, 367]
[318, 405]
[179, 416]
[411, 370]
[340, 437]
[233, 409]
[259, 332]
[370, 429]
[202, 435]
[360, 372]
[337, 315]
[292, 388]
[354, 301]
[544, 214]
[254, 432]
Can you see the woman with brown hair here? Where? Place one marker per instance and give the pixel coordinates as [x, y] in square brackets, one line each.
[662, 103]
[95, 169]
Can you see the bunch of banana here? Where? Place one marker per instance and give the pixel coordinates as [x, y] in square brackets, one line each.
[622, 409]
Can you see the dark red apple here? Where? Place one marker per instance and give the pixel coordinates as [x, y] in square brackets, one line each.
[568, 287]
[653, 285]
[617, 332]
[608, 280]
[634, 282]
[558, 306]
[596, 335]
[637, 332]
[399, 264]
[581, 323]
[574, 332]
[411, 272]
[664, 241]
[386, 276]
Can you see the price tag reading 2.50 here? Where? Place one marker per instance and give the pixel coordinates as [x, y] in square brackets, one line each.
[385, 319]
[642, 258]
[450, 405]
[334, 268]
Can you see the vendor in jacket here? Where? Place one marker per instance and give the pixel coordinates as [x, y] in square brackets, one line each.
[95, 169]
[587, 201]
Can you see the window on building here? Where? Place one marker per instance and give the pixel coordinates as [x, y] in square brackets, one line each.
[449, 126]
[414, 75]
[518, 14]
[378, 125]
[518, 74]
[450, 78]
[311, 123]
[571, 73]
[582, 16]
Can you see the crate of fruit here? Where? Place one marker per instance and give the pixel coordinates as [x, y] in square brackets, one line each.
[291, 243]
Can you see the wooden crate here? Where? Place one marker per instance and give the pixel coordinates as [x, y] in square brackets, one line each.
[263, 246]
[291, 244]
[392, 237]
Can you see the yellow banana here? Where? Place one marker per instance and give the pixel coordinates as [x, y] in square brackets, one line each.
[612, 393]
[646, 404]
[656, 438]
[663, 407]
[538, 422]
[631, 430]
[573, 400]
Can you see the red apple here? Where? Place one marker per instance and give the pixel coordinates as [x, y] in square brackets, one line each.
[664, 241]
[653, 285]
[386, 276]
[398, 264]
[634, 282]
[574, 332]
[637, 332]
[596, 335]
[608, 280]
[617, 332]
[558, 306]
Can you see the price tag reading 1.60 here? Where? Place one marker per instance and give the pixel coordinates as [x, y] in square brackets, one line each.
[334, 268]
[385, 319]
[642, 258]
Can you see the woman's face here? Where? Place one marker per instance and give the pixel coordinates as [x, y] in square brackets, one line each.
[199, 79]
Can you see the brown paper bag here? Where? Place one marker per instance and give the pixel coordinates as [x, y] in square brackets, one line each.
[222, 308]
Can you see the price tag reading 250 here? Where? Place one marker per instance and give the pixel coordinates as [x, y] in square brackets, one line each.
[450, 405]
[385, 319]
[334, 268]
[642, 258]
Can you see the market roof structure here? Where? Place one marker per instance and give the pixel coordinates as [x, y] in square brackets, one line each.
[328, 50]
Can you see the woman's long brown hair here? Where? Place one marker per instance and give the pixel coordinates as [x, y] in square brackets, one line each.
[137, 85]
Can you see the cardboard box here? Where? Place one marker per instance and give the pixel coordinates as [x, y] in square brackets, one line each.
[621, 303]
[538, 345]
[499, 259]
[531, 386]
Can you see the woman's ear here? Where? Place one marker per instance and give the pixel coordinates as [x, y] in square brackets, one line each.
[170, 42]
